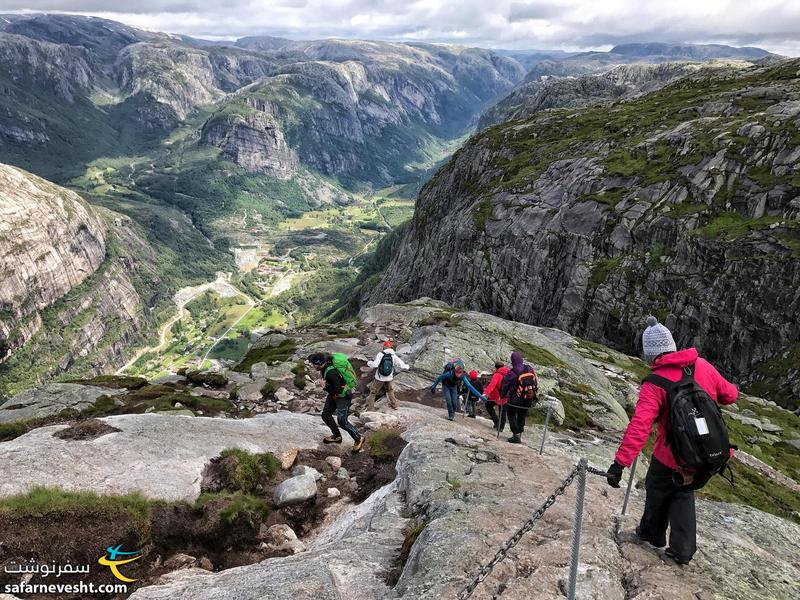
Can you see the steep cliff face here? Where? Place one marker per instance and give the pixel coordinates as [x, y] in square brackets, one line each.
[684, 203]
[50, 242]
[254, 141]
[348, 107]
[623, 81]
[68, 299]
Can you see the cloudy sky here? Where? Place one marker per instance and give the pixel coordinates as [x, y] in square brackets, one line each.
[566, 24]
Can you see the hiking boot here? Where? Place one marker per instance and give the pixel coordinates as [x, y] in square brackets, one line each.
[669, 553]
[471, 416]
[647, 540]
[332, 439]
[515, 439]
[359, 444]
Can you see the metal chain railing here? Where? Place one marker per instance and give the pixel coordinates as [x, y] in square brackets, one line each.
[514, 539]
[579, 470]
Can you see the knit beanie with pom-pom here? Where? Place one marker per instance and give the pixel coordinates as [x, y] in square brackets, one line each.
[656, 340]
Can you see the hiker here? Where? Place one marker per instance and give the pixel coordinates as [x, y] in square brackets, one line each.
[336, 371]
[520, 386]
[386, 363]
[454, 374]
[670, 484]
[472, 399]
[492, 393]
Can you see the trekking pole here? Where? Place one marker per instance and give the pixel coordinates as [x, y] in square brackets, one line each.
[627, 494]
[576, 529]
[500, 422]
[544, 431]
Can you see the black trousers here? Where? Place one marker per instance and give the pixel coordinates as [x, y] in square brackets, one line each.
[667, 504]
[490, 408]
[342, 407]
[516, 418]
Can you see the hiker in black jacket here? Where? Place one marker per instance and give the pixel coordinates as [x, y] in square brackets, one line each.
[472, 399]
[516, 391]
[338, 400]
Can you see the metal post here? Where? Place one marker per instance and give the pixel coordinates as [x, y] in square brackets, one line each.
[627, 494]
[576, 529]
[544, 431]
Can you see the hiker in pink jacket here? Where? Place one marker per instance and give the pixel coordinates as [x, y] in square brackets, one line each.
[666, 503]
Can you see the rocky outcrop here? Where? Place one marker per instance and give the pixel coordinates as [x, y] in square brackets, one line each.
[683, 204]
[254, 141]
[164, 455]
[51, 399]
[624, 81]
[459, 495]
[50, 242]
[346, 106]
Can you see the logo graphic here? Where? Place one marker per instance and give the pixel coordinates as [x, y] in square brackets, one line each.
[111, 560]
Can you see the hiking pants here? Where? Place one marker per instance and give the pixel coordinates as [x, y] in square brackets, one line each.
[669, 504]
[377, 389]
[493, 414]
[470, 405]
[341, 406]
[516, 418]
[451, 400]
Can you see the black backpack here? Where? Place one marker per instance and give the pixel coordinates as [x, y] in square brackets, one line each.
[386, 366]
[697, 433]
[524, 391]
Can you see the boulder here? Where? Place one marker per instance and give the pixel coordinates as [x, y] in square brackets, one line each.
[179, 561]
[306, 470]
[287, 458]
[250, 392]
[259, 370]
[50, 400]
[554, 405]
[295, 490]
[334, 461]
[163, 455]
[341, 473]
[281, 538]
[334, 492]
[283, 395]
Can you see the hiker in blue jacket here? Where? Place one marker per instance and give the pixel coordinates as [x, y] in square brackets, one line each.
[454, 373]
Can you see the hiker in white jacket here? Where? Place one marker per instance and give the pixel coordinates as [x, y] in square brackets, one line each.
[385, 363]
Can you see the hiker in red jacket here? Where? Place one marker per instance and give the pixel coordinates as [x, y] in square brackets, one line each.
[492, 392]
[666, 503]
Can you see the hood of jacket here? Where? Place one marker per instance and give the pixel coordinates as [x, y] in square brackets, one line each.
[517, 362]
[681, 359]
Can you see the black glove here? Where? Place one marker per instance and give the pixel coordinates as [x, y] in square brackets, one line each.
[614, 474]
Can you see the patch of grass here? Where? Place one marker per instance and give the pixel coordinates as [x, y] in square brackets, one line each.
[750, 490]
[41, 501]
[239, 506]
[276, 354]
[300, 371]
[157, 397]
[250, 470]
[215, 380]
[480, 213]
[634, 366]
[575, 415]
[412, 532]
[537, 355]
[733, 226]
[602, 269]
[114, 382]
[268, 389]
[381, 443]
[608, 197]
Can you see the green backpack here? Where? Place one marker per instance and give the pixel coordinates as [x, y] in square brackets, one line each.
[342, 364]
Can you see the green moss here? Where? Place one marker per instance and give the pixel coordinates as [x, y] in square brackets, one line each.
[210, 379]
[284, 351]
[602, 269]
[250, 471]
[480, 213]
[537, 355]
[733, 226]
[239, 506]
[156, 397]
[750, 490]
[575, 415]
[9, 431]
[268, 389]
[382, 444]
[300, 371]
[43, 501]
[609, 197]
[636, 367]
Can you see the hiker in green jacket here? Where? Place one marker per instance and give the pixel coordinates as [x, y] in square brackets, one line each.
[339, 399]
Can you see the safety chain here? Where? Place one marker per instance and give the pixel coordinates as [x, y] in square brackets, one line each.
[514, 540]
[526, 527]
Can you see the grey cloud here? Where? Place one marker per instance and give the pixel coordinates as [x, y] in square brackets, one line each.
[565, 24]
